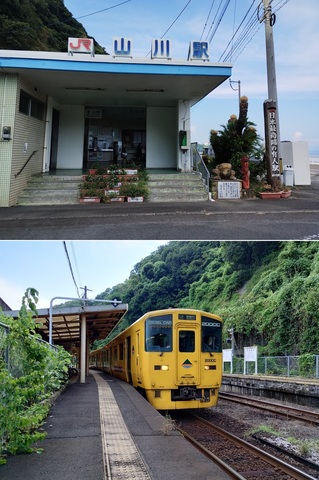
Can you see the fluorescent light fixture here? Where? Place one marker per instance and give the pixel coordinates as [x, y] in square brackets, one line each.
[91, 89]
[145, 90]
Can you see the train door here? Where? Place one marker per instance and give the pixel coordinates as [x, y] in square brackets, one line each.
[138, 358]
[128, 359]
[187, 348]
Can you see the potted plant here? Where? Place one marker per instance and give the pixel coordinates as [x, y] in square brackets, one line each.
[90, 195]
[92, 189]
[286, 192]
[274, 191]
[134, 191]
[93, 169]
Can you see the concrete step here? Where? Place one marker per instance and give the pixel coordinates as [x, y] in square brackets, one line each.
[51, 190]
[183, 187]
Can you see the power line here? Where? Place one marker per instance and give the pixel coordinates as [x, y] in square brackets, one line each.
[173, 22]
[104, 10]
[234, 35]
[75, 262]
[210, 11]
[70, 267]
[219, 18]
[176, 18]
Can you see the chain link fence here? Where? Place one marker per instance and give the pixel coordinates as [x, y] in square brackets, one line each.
[13, 355]
[285, 366]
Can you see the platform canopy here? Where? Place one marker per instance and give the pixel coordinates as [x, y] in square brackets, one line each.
[66, 322]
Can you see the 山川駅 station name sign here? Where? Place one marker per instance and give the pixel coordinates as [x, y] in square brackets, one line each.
[123, 47]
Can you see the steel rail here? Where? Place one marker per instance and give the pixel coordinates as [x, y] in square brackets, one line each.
[233, 474]
[267, 457]
[289, 411]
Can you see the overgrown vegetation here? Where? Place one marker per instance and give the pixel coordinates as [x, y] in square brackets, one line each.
[38, 25]
[266, 291]
[34, 372]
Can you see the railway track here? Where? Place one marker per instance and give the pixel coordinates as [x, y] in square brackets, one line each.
[239, 458]
[286, 411]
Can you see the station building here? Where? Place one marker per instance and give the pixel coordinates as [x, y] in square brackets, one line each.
[66, 111]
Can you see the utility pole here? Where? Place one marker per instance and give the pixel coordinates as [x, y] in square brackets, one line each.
[86, 290]
[239, 89]
[273, 144]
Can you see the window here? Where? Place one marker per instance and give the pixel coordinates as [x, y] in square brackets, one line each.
[158, 334]
[31, 106]
[186, 341]
[121, 351]
[211, 335]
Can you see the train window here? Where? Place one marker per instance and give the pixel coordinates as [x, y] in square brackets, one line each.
[186, 316]
[186, 341]
[211, 335]
[121, 351]
[158, 334]
[115, 352]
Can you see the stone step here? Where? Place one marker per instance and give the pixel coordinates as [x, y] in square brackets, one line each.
[51, 190]
[48, 200]
[173, 188]
[177, 198]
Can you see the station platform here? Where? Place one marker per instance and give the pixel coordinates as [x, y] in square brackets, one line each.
[104, 429]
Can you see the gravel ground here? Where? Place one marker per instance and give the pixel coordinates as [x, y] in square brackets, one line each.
[300, 437]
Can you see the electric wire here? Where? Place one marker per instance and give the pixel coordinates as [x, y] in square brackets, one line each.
[246, 34]
[75, 262]
[176, 18]
[279, 5]
[231, 41]
[103, 10]
[168, 29]
[252, 28]
[227, 2]
[70, 267]
[210, 11]
[212, 24]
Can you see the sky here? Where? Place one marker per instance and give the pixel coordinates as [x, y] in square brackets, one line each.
[44, 265]
[296, 40]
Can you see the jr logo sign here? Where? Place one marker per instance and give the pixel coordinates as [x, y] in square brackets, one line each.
[81, 45]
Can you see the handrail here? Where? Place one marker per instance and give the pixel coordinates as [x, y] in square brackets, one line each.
[26, 163]
[200, 166]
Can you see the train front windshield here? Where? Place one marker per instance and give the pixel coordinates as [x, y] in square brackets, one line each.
[211, 335]
[158, 334]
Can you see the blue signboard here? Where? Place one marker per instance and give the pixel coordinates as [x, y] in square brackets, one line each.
[198, 51]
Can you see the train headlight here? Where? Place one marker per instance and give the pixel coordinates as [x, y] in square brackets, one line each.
[161, 367]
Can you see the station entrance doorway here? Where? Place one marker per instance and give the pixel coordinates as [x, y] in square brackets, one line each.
[114, 135]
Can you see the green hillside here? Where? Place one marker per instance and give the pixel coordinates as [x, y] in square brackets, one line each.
[266, 291]
[38, 25]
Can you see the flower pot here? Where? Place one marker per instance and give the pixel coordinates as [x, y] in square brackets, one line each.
[286, 194]
[135, 199]
[119, 198]
[90, 200]
[270, 195]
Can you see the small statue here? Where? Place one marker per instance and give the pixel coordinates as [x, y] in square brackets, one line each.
[223, 171]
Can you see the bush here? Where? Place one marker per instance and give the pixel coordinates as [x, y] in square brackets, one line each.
[34, 373]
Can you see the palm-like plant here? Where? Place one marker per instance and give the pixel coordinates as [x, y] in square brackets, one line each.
[237, 139]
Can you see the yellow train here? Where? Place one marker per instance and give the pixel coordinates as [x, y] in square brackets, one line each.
[172, 356]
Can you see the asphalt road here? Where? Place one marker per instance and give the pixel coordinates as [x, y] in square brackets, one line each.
[295, 218]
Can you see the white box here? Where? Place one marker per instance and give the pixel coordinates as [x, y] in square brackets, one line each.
[296, 154]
